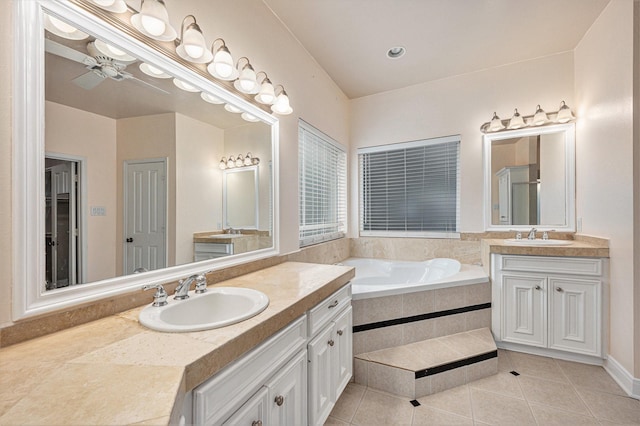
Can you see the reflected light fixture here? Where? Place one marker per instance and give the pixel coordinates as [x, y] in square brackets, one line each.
[564, 114]
[112, 52]
[516, 121]
[267, 94]
[222, 66]
[115, 6]
[191, 46]
[232, 108]
[540, 117]
[152, 71]
[246, 81]
[153, 21]
[249, 117]
[184, 86]
[62, 29]
[281, 105]
[495, 124]
[239, 161]
[212, 99]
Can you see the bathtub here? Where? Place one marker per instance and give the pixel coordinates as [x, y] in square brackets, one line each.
[377, 277]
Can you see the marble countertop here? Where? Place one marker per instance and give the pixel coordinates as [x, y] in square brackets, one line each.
[578, 248]
[221, 238]
[115, 371]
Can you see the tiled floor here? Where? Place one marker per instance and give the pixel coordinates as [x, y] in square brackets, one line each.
[547, 392]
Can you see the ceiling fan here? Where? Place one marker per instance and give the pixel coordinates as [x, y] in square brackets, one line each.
[100, 66]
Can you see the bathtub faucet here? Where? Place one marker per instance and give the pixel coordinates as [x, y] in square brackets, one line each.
[532, 234]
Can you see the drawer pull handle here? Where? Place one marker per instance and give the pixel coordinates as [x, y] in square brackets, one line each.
[279, 400]
[331, 342]
[559, 289]
[339, 332]
[333, 305]
[256, 423]
[538, 287]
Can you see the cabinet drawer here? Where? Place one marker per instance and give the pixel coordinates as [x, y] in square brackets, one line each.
[225, 392]
[328, 308]
[558, 265]
[213, 248]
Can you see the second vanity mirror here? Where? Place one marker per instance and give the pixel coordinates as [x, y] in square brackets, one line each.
[529, 179]
[127, 161]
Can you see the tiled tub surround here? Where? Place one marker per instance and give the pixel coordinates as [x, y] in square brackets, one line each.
[122, 373]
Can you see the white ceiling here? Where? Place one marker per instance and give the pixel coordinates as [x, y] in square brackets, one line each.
[350, 38]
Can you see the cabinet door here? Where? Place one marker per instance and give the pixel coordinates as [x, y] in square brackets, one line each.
[343, 352]
[288, 393]
[525, 309]
[253, 412]
[321, 378]
[575, 315]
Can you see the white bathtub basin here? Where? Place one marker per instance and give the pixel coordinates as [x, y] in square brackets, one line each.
[526, 242]
[218, 307]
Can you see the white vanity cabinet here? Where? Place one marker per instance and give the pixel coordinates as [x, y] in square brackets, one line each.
[330, 353]
[205, 251]
[549, 302]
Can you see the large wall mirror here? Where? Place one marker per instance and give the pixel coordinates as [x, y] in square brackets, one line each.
[117, 160]
[530, 178]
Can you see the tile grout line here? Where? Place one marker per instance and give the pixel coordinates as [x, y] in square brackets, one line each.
[573, 386]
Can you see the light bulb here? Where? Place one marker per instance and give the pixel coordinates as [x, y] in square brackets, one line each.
[281, 106]
[247, 160]
[267, 94]
[153, 25]
[247, 79]
[540, 117]
[104, 3]
[153, 17]
[223, 63]
[193, 42]
[61, 25]
[496, 123]
[223, 163]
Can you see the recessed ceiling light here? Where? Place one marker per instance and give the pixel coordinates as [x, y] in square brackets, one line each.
[396, 52]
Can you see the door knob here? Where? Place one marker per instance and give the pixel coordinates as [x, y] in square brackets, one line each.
[129, 240]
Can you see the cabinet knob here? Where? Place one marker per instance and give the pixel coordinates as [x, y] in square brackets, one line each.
[256, 423]
[331, 342]
[559, 289]
[279, 400]
[339, 332]
[538, 287]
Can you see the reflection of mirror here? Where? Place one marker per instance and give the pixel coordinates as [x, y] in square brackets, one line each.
[530, 178]
[110, 142]
[241, 198]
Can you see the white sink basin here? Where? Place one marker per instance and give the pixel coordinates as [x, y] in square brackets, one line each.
[526, 242]
[218, 307]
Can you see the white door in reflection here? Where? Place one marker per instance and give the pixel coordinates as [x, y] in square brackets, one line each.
[145, 215]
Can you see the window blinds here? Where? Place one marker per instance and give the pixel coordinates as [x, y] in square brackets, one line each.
[410, 189]
[322, 170]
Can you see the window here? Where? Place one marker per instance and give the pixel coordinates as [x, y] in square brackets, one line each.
[411, 189]
[322, 171]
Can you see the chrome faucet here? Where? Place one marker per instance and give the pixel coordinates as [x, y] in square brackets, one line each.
[532, 234]
[182, 291]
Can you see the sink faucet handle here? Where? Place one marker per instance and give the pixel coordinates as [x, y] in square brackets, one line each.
[532, 234]
[545, 234]
[201, 284]
[160, 296]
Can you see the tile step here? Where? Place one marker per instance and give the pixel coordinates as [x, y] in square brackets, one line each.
[429, 366]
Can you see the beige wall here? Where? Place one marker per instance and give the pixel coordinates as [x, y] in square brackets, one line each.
[459, 105]
[199, 147]
[93, 137]
[604, 160]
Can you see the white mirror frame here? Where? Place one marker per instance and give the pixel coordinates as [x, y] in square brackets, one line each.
[570, 175]
[29, 296]
[225, 195]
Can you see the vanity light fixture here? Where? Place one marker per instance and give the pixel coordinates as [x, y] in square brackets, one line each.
[495, 124]
[191, 46]
[249, 117]
[212, 99]
[247, 80]
[153, 21]
[239, 161]
[267, 95]
[115, 6]
[232, 108]
[184, 86]
[540, 117]
[281, 105]
[152, 71]
[222, 66]
[516, 121]
[62, 29]
[112, 52]
[564, 113]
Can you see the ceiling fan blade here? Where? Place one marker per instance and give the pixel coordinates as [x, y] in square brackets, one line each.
[58, 49]
[88, 80]
[128, 76]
